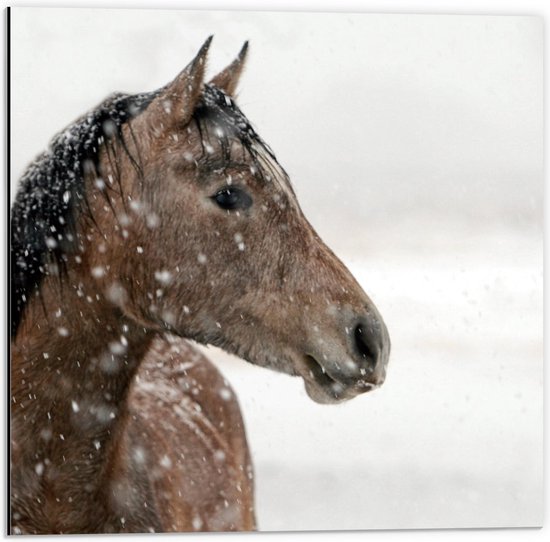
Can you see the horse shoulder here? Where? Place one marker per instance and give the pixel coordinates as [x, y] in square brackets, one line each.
[184, 447]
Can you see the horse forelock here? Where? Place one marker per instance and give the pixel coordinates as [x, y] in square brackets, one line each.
[220, 118]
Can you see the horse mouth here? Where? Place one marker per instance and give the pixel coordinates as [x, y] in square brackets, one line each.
[325, 388]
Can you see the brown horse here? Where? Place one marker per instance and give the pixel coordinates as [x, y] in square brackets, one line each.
[154, 219]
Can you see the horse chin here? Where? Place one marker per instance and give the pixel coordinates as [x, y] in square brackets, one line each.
[333, 393]
[325, 395]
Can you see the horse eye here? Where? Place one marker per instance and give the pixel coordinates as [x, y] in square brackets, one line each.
[232, 198]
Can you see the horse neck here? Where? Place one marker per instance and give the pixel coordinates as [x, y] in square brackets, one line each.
[73, 360]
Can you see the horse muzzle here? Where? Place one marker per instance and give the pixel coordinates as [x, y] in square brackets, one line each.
[335, 371]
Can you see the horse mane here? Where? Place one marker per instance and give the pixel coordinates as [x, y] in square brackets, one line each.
[51, 192]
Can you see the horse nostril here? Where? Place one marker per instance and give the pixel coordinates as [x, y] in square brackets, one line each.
[365, 343]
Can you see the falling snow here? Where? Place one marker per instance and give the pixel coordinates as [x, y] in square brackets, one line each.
[197, 523]
[163, 276]
[225, 394]
[165, 462]
[98, 272]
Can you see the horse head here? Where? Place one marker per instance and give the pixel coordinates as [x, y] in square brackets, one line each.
[206, 239]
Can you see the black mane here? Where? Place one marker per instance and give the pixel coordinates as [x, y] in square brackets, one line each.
[50, 191]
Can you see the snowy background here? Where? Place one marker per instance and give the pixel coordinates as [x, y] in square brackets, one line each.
[415, 147]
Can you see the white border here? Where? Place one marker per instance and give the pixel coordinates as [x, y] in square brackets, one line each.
[479, 7]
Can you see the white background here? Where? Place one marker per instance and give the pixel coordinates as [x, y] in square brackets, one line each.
[415, 147]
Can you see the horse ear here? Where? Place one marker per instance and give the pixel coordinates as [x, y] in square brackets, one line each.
[178, 99]
[228, 79]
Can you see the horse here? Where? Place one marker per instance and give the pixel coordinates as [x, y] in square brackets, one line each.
[154, 221]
